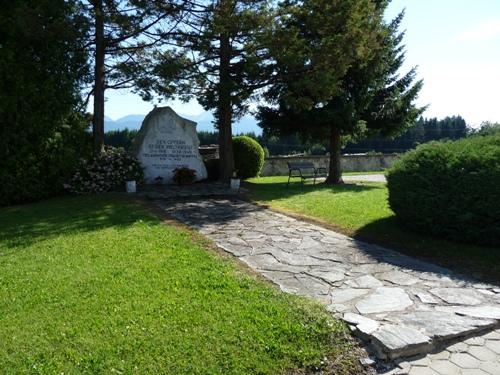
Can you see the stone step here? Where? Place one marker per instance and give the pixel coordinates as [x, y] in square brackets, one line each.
[396, 341]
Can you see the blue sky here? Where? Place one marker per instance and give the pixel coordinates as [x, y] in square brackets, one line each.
[454, 43]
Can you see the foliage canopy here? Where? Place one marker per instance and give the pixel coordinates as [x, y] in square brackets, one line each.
[343, 93]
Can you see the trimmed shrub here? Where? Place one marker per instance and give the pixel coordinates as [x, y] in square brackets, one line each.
[248, 157]
[450, 189]
[38, 170]
[105, 172]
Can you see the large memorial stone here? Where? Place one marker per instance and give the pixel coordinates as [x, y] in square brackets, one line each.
[167, 141]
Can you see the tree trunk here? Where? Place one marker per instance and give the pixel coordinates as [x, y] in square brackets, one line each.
[98, 117]
[335, 168]
[225, 111]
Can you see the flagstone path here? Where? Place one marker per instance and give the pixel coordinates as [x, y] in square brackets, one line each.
[401, 307]
[378, 177]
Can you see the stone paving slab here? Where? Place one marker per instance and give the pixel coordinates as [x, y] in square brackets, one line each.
[399, 305]
[375, 177]
[479, 355]
[198, 189]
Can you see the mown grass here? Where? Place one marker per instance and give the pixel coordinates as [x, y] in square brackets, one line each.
[361, 210]
[350, 206]
[99, 285]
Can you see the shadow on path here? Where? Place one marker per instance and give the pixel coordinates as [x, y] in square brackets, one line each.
[480, 262]
[477, 262]
[234, 212]
[400, 305]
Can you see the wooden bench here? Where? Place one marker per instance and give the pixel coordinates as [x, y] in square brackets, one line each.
[304, 170]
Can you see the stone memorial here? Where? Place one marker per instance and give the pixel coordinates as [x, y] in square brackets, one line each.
[167, 141]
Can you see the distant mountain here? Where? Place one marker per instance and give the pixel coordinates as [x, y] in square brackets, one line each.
[204, 120]
[130, 121]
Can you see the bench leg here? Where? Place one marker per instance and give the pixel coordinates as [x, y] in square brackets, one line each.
[288, 183]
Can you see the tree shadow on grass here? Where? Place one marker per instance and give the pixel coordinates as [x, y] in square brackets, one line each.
[467, 260]
[24, 225]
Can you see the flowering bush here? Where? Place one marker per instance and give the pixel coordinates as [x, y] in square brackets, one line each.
[105, 172]
[184, 176]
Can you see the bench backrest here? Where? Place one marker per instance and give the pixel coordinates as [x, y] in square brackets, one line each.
[300, 165]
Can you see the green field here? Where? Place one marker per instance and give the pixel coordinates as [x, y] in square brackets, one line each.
[99, 285]
[361, 210]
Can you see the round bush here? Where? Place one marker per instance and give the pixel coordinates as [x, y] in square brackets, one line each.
[248, 157]
[450, 189]
[105, 172]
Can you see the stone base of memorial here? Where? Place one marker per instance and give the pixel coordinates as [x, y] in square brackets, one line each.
[130, 186]
[235, 184]
[165, 142]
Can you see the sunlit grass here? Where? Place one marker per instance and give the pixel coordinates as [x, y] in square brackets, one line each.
[350, 206]
[98, 285]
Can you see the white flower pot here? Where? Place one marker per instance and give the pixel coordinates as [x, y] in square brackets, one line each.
[235, 184]
[131, 186]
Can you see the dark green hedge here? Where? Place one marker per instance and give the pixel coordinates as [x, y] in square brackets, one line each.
[248, 157]
[43, 64]
[450, 189]
[39, 169]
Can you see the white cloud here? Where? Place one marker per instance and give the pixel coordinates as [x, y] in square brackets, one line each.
[485, 30]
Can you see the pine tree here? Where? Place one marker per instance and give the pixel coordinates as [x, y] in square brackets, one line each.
[368, 98]
[218, 56]
[122, 30]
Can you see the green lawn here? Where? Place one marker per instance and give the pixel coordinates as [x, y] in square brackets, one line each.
[361, 210]
[100, 285]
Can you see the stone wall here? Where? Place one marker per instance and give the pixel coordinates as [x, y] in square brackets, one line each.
[209, 151]
[277, 165]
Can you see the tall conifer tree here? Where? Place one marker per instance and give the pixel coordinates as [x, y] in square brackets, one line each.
[217, 56]
[370, 97]
[122, 30]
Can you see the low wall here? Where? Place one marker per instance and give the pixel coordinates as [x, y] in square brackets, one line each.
[277, 165]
